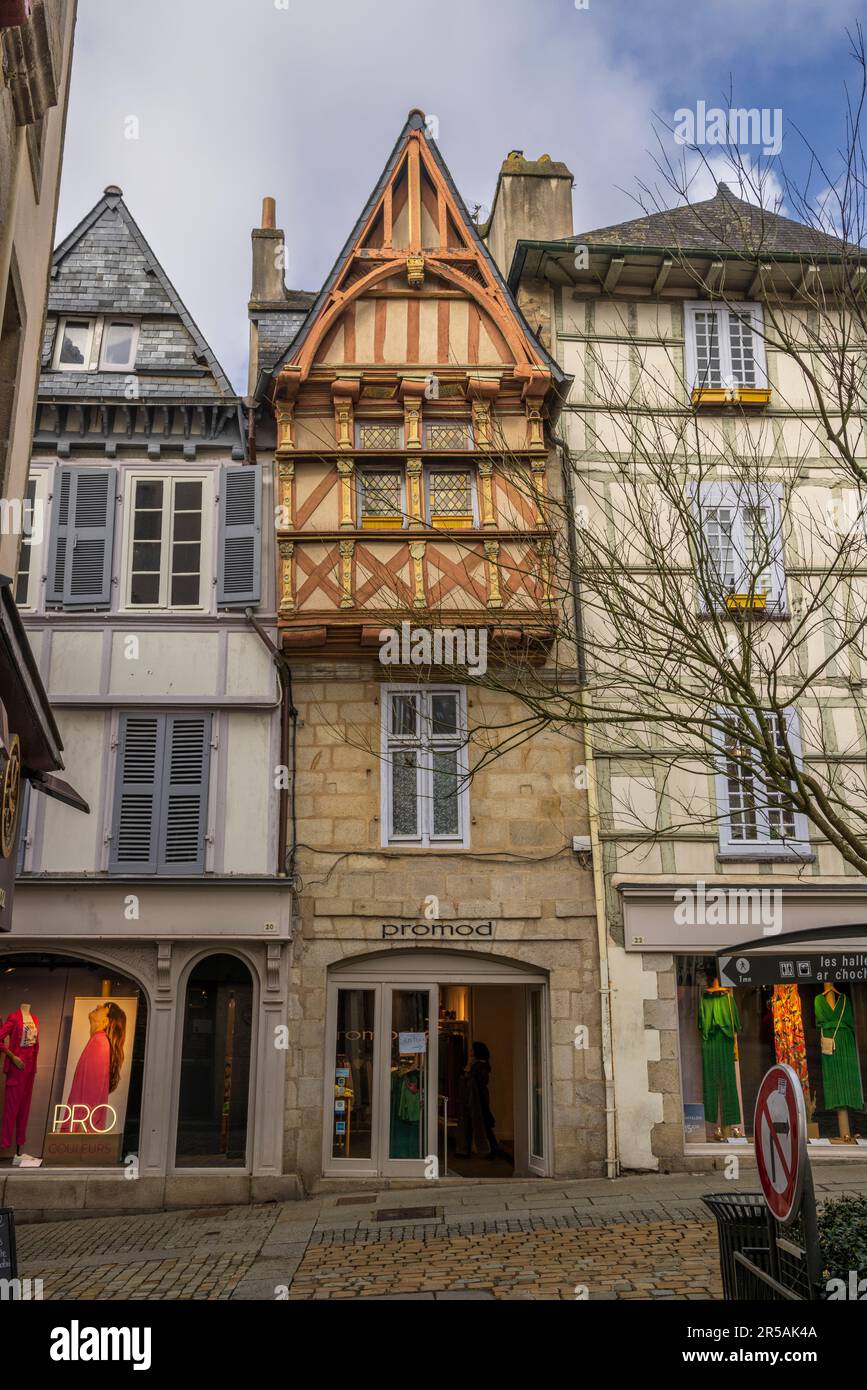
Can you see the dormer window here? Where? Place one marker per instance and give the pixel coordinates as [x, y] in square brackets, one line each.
[119, 345]
[88, 345]
[74, 345]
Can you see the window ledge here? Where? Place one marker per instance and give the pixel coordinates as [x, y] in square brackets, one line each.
[712, 397]
[765, 855]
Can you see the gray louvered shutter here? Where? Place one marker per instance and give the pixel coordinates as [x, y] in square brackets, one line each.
[81, 550]
[184, 810]
[59, 536]
[240, 546]
[137, 798]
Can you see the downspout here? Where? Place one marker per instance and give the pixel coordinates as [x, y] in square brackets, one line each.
[288, 731]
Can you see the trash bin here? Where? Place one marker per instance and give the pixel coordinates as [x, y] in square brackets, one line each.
[742, 1224]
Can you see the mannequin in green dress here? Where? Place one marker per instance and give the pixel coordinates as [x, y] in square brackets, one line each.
[719, 1024]
[841, 1070]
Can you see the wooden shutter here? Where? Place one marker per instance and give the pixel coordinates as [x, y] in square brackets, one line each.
[184, 808]
[240, 543]
[139, 771]
[79, 570]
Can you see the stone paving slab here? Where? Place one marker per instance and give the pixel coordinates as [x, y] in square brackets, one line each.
[522, 1240]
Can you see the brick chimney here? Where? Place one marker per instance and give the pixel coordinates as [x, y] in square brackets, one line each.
[533, 202]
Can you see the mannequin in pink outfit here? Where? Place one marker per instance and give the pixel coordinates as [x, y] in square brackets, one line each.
[19, 1042]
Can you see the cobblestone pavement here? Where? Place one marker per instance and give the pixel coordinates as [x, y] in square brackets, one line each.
[639, 1237]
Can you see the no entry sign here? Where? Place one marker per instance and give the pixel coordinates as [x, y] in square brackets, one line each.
[781, 1142]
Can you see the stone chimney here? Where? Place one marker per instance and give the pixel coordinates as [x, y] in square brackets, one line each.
[269, 258]
[268, 290]
[533, 202]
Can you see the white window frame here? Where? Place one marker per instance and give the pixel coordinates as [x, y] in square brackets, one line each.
[765, 845]
[739, 497]
[129, 365]
[467, 467]
[88, 364]
[424, 741]
[748, 310]
[207, 581]
[35, 576]
[363, 467]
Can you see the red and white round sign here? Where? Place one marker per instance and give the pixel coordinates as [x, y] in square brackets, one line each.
[781, 1141]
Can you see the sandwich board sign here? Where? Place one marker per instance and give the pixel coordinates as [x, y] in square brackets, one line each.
[781, 1142]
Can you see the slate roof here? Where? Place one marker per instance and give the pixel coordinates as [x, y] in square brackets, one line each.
[105, 266]
[721, 223]
[278, 328]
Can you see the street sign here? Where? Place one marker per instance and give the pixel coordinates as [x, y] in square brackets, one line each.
[781, 1142]
[793, 968]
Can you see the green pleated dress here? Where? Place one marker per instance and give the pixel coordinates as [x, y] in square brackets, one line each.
[841, 1070]
[718, 1023]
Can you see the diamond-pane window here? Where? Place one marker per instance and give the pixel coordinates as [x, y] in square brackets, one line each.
[447, 437]
[379, 436]
[381, 497]
[450, 493]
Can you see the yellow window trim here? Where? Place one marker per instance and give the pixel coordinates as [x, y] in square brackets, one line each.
[452, 523]
[740, 395]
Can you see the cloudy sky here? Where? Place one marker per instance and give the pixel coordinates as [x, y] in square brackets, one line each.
[303, 99]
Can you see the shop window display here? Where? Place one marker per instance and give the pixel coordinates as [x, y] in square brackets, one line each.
[730, 1037]
[72, 1047]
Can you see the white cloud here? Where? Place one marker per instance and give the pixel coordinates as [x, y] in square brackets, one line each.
[238, 100]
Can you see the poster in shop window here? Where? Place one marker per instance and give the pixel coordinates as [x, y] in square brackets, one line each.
[87, 1118]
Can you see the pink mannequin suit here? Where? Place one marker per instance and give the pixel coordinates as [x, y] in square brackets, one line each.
[19, 1080]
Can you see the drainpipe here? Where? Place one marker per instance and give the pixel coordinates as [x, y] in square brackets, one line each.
[288, 727]
[612, 1159]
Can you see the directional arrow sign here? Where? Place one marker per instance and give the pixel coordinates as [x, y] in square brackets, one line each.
[781, 1142]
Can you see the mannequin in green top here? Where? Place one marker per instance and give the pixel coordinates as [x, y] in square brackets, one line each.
[841, 1071]
[719, 1023]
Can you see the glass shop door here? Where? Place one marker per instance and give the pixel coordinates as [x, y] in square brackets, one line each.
[408, 1135]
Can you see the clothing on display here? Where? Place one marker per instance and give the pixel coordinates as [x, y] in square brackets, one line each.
[406, 1114]
[841, 1071]
[790, 1047]
[719, 1023]
[19, 1037]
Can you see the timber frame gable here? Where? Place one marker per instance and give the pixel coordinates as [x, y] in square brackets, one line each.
[415, 376]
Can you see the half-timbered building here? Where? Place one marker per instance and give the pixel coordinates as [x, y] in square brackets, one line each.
[442, 917]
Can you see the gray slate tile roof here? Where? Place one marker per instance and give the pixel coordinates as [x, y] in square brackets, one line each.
[105, 266]
[277, 329]
[721, 223]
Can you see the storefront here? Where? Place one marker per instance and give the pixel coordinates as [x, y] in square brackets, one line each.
[73, 1044]
[439, 1067]
[156, 1067]
[735, 978]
